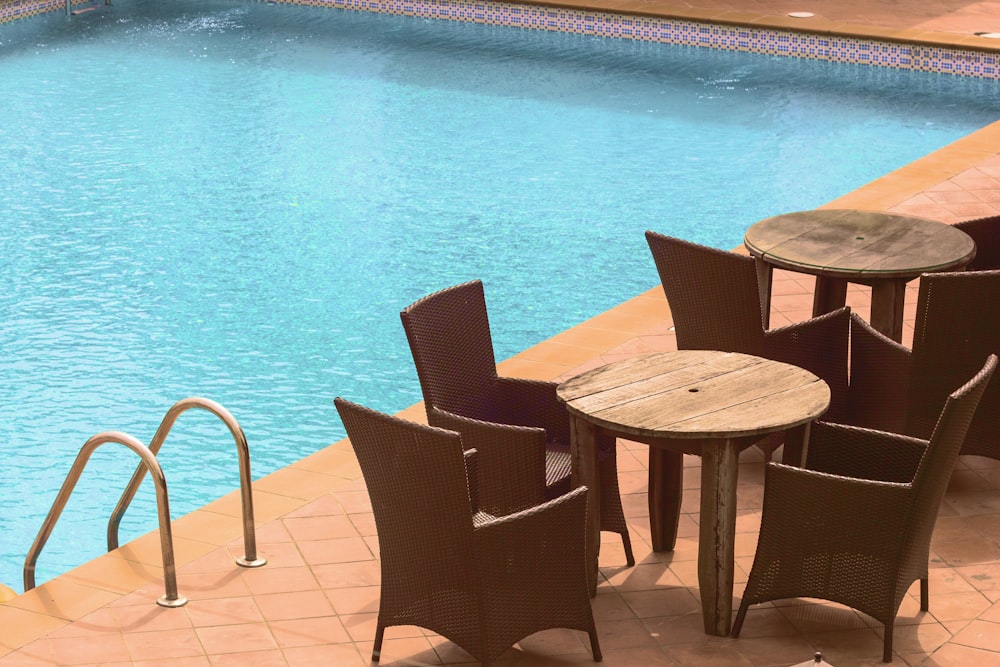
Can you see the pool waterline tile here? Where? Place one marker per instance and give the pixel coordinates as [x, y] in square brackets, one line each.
[770, 33]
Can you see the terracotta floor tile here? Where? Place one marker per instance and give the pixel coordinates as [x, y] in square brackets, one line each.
[820, 617]
[992, 614]
[236, 638]
[765, 620]
[773, 650]
[100, 621]
[958, 606]
[967, 551]
[707, 654]
[984, 576]
[160, 644]
[35, 655]
[409, 651]
[62, 598]
[281, 554]
[345, 655]
[980, 634]
[338, 550]
[279, 580]
[861, 647]
[320, 527]
[955, 655]
[354, 502]
[557, 642]
[223, 611]
[919, 638]
[207, 585]
[272, 532]
[272, 658]
[608, 605]
[309, 631]
[358, 600]
[115, 574]
[643, 577]
[361, 627]
[220, 559]
[302, 604]
[347, 575]
[672, 601]
[145, 618]
[88, 649]
[192, 661]
[364, 523]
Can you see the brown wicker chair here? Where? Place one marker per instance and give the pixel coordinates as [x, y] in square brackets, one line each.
[957, 325]
[715, 303]
[854, 526]
[480, 581]
[986, 233]
[449, 336]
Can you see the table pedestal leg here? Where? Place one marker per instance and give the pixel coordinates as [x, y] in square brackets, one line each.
[717, 534]
[666, 482]
[830, 294]
[887, 307]
[796, 445]
[583, 452]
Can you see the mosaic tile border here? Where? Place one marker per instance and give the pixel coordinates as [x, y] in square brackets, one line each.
[19, 9]
[770, 41]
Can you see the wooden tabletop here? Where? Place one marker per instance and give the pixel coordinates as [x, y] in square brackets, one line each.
[696, 394]
[852, 243]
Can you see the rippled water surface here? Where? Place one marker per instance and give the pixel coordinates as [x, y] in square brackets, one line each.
[236, 200]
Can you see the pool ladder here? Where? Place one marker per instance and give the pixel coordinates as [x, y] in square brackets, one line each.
[148, 462]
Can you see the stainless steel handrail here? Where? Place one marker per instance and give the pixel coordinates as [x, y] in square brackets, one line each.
[148, 461]
[249, 536]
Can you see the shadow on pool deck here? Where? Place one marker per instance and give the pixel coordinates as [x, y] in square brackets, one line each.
[315, 601]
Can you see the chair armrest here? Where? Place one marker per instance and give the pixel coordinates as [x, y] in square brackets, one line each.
[510, 460]
[863, 453]
[821, 346]
[537, 552]
[534, 403]
[880, 380]
[809, 515]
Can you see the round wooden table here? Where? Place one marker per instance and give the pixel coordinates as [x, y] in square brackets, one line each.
[841, 246]
[713, 404]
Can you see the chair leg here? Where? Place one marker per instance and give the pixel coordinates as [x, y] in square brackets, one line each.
[740, 615]
[595, 646]
[377, 648]
[925, 599]
[627, 544]
[612, 514]
[887, 643]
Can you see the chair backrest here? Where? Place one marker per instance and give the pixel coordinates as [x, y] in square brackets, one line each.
[956, 327]
[419, 492]
[934, 470]
[712, 294]
[986, 233]
[449, 336]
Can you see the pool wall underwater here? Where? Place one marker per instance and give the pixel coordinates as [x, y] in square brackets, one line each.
[983, 63]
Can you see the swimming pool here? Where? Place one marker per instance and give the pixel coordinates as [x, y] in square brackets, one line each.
[235, 200]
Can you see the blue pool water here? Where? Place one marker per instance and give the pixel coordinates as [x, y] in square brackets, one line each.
[235, 200]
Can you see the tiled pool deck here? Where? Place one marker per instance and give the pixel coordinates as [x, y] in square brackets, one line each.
[315, 602]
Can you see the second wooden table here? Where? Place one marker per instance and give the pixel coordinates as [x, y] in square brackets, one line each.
[838, 246]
